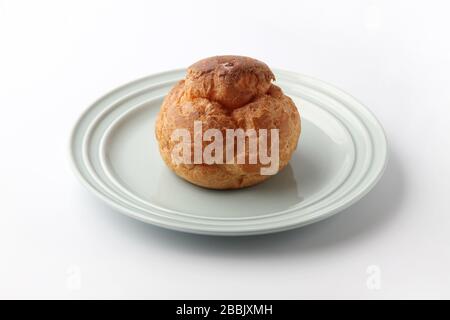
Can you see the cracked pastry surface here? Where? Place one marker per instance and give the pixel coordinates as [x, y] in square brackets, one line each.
[227, 92]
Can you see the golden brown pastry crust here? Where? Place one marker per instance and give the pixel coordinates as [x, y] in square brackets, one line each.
[227, 92]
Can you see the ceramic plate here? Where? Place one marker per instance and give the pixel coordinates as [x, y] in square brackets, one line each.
[340, 156]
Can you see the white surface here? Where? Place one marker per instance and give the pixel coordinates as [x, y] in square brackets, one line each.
[341, 156]
[58, 241]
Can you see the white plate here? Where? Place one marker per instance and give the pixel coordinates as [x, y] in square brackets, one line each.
[340, 156]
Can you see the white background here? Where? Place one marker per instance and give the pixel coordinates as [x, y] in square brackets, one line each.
[59, 241]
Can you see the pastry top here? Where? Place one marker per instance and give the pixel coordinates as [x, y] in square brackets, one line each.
[232, 81]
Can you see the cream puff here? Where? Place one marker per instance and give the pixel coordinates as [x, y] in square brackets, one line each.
[227, 94]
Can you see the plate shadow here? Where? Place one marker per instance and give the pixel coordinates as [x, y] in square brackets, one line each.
[356, 223]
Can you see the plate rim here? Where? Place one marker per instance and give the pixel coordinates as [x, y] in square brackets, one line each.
[182, 225]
